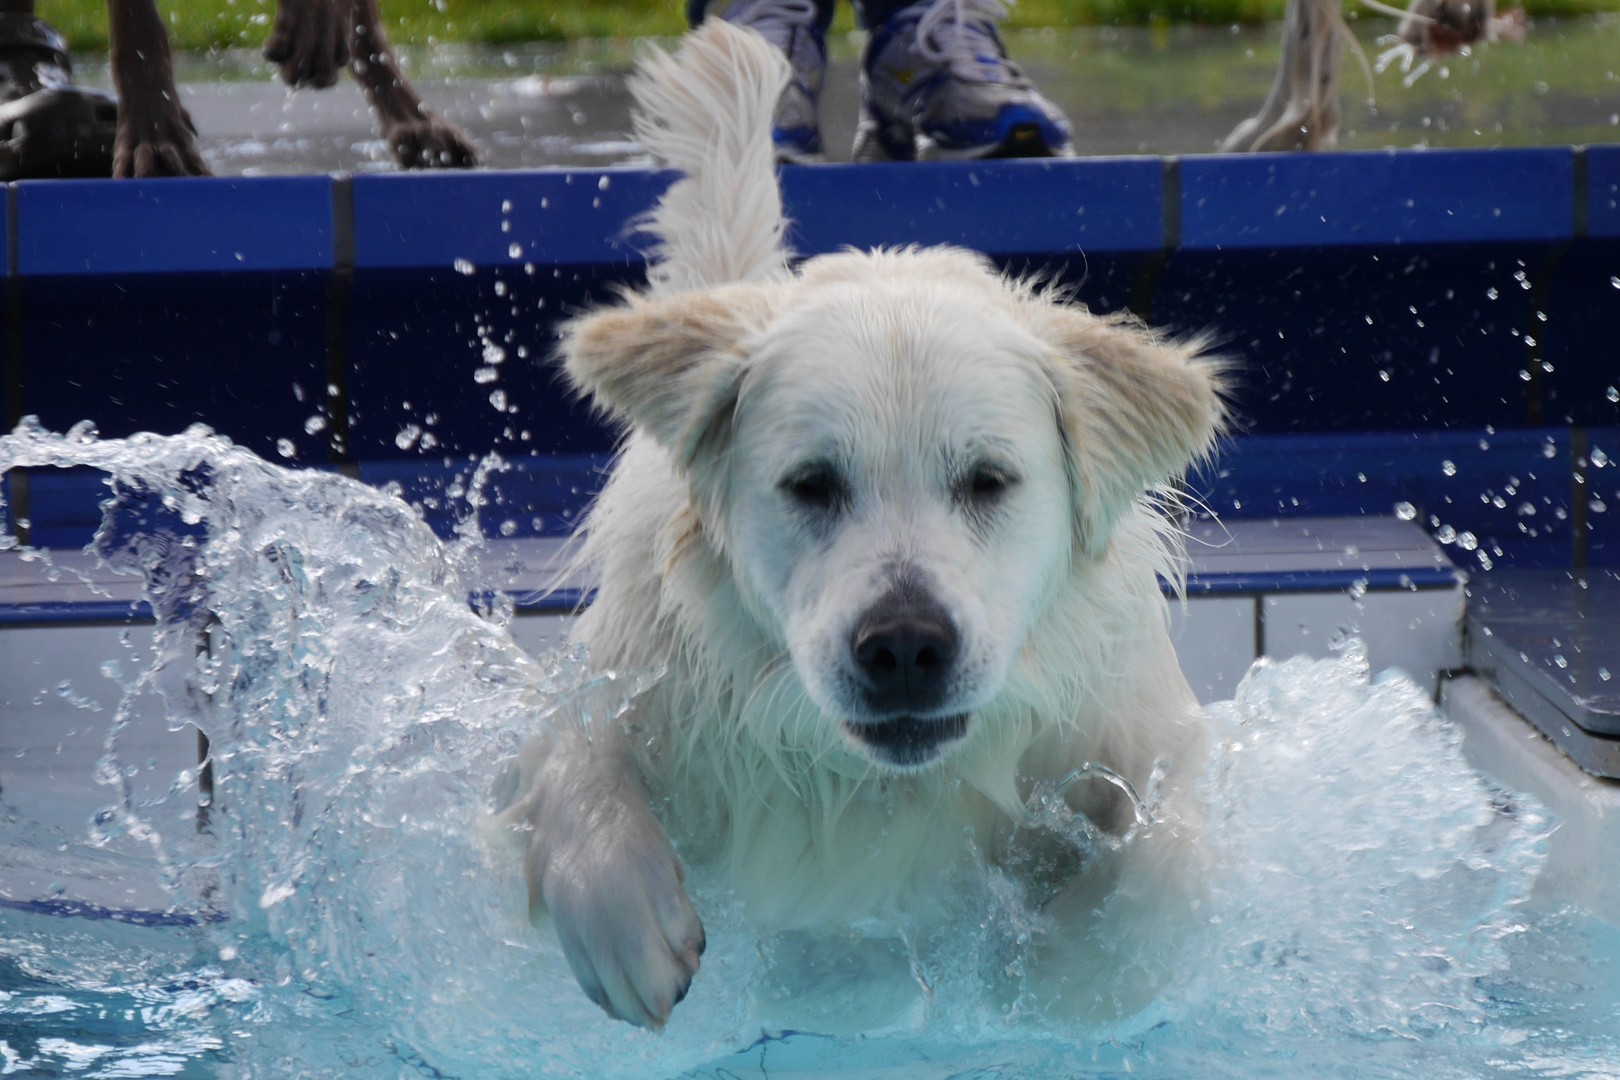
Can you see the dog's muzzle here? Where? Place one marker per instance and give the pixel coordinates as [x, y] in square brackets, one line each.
[908, 742]
[905, 649]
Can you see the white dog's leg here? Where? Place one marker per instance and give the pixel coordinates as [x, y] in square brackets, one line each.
[601, 865]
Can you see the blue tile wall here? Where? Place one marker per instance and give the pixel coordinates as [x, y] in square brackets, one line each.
[1382, 309]
[1377, 198]
[420, 346]
[488, 219]
[1060, 209]
[1355, 338]
[541, 495]
[1582, 306]
[244, 353]
[1510, 489]
[97, 227]
[1602, 492]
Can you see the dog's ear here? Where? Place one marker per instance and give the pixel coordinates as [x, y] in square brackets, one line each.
[671, 364]
[1136, 410]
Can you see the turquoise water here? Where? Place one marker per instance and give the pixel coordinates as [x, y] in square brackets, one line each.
[1368, 913]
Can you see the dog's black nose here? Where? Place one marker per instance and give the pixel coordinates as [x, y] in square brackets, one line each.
[905, 651]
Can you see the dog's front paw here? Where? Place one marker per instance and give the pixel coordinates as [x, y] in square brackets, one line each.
[310, 42]
[155, 139]
[429, 143]
[625, 923]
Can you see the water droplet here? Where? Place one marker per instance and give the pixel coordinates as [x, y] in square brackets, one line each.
[1484, 444]
[1549, 450]
[1448, 468]
[498, 399]
[407, 436]
[1615, 281]
[464, 267]
[1491, 293]
[1603, 673]
[1612, 393]
[603, 184]
[1499, 502]
[1484, 559]
[285, 448]
[500, 288]
[509, 527]
[1358, 588]
[493, 353]
[315, 424]
[1383, 375]
[1523, 374]
[1446, 535]
[506, 206]
[1467, 541]
[1405, 511]
[1597, 506]
[515, 251]
[1598, 458]
[485, 375]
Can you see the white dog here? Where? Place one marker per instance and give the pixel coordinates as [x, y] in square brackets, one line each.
[885, 520]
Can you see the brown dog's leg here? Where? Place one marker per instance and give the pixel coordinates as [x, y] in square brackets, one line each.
[310, 42]
[155, 135]
[417, 136]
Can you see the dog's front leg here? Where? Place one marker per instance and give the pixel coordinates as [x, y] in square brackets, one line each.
[310, 42]
[418, 137]
[155, 135]
[600, 864]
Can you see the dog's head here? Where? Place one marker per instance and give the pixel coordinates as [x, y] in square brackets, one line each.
[900, 457]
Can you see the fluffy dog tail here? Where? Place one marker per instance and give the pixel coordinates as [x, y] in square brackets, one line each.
[707, 112]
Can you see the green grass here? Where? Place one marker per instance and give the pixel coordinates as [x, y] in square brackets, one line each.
[218, 24]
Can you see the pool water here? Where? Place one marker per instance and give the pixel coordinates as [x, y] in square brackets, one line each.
[1370, 907]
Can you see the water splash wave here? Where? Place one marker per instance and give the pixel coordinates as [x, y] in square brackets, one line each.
[1366, 911]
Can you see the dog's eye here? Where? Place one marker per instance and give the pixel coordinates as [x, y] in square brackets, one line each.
[986, 483]
[815, 488]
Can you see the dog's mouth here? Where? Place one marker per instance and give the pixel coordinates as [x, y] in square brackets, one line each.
[907, 741]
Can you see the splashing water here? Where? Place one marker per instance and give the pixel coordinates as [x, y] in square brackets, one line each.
[1366, 910]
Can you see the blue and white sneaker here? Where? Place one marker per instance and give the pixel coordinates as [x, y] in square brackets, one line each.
[936, 84]
[793, 27]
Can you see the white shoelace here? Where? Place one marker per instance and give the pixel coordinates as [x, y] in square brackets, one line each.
[957, 48]
[777, 15]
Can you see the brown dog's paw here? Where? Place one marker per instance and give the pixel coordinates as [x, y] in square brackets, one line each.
[157, 143]
[430, 143]
[310, 42]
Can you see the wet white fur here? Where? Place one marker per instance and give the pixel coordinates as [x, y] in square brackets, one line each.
[906, 368]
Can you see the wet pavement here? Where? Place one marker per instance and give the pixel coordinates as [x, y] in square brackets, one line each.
[1128, 91]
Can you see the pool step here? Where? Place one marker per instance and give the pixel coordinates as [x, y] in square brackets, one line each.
[1256, 588]
[1584, 850]
[1548, 642]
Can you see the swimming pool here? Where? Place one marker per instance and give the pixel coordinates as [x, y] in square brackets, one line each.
[1371, 906]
